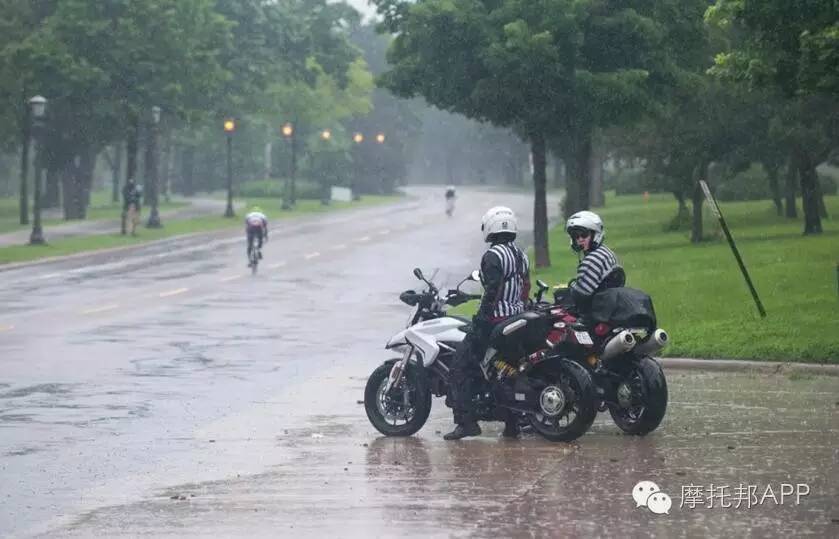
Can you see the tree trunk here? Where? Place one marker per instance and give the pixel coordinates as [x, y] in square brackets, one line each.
[697, 197]
[559, 172]
[820, 199]
[188, 170]
[131, 147]
[267, 158]
[167, 157]
[71, 186]
[52, 193]
[578, 183]
[809, 198]
[772, 171]
[789, 189]
[598, 200]
[116, 168]
[87, 166]
[540, 208]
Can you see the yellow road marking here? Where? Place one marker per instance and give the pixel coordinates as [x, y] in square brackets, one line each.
[101, 309]
[173, 292]
[6, 328]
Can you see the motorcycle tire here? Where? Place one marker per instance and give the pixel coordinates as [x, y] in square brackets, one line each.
[578, 381]
[653, 388]
[375, 403]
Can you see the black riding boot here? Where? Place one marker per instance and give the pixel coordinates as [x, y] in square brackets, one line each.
[469, 428]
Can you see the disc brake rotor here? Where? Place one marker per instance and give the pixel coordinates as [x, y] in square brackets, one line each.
[392, 406]
[552, 401]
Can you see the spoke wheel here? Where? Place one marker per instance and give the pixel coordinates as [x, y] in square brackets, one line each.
[404, 409]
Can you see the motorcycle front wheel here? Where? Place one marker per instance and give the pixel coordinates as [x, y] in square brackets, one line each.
[567, 403]
[642, 399]
[404, 410]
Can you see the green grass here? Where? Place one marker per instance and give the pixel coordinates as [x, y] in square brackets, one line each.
[101, 208]
[72, 245]
[700, 296]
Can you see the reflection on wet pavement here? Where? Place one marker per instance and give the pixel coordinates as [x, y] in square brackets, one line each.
[232, 410]
[358, 484]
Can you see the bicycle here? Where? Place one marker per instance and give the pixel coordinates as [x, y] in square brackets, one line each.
[254, 259]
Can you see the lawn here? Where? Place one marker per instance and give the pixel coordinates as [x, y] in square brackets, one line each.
[173, 227]
[700, 296]
[101, 207]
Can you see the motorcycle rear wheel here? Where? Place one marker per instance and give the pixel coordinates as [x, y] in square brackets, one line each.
[651, 385]
[405, 409]
[580, 397]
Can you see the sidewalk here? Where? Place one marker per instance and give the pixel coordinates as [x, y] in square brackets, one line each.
[196, 207]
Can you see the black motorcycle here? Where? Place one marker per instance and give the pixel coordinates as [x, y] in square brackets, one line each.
[550, 391]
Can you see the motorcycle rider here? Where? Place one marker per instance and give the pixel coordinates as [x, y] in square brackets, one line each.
[256, 226]
[450, 196]
[505, 275]
[599, 268]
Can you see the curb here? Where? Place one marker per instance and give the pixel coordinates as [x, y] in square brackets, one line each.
[737, 365]
[299, 220]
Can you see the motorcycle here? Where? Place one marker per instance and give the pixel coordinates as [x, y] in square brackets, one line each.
[623, 337]
[551, 392]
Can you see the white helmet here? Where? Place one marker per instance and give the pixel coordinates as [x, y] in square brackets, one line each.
[589, 221]
[498, 219]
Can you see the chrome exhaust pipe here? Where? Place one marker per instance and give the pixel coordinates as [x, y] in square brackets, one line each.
[656, 342]
[619, 344]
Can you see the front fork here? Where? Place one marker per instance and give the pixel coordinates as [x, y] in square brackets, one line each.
[398, 370]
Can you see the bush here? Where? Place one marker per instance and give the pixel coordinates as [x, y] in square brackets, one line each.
[275, 188]
[625, 181]
[828, 179]
[751, 184]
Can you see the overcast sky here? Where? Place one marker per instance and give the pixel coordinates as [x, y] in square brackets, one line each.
[362, 6]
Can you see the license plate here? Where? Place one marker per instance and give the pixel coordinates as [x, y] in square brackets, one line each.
[583, 337]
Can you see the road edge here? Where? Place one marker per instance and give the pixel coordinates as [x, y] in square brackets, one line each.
[216, 233]
[740, 365]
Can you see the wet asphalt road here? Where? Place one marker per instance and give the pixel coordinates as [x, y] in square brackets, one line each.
[167, 392]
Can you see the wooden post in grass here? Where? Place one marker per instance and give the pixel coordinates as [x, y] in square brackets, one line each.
[716, 209]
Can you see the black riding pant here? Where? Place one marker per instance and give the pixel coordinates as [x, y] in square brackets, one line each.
[254, 232]
[465, 372]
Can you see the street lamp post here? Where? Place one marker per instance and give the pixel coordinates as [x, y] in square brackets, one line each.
[229, 128]
[289, 195]
[325, 135]
[358, 138]
[39, 107]
[24, 162]
[380, 139]
[152, 175]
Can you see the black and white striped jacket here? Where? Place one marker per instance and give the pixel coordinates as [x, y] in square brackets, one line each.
[594, 269]
[505, 274]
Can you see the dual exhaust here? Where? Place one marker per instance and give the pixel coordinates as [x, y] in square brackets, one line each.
[625, 341]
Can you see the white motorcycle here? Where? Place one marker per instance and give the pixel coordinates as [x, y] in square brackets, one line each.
[554, 394]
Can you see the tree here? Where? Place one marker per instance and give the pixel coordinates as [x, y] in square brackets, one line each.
[789, 47]
[544, 68]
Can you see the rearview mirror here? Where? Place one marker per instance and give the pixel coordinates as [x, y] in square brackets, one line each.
[475, 276]
[541, 284]
[418, 274]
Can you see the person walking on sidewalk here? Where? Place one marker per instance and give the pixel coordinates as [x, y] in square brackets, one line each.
[131, 196]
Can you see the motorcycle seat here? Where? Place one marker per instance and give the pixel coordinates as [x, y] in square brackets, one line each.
[512, 325]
